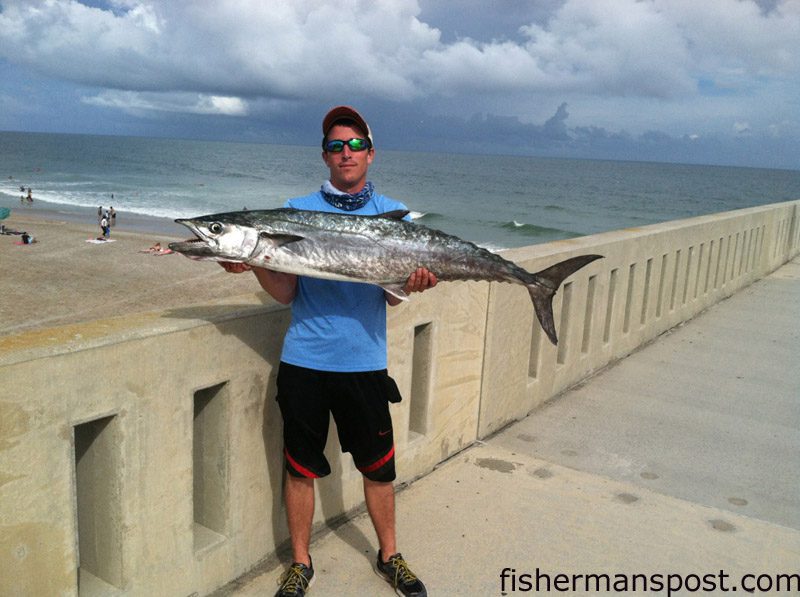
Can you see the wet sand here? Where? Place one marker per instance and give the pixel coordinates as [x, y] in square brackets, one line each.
[62, 279]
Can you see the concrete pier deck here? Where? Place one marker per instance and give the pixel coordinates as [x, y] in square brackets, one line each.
[681, 459]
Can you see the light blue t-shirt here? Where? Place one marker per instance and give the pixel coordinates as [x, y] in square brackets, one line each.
[338, 326]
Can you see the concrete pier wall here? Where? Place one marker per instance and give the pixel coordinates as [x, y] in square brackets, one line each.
[141, 455]
[652, 279]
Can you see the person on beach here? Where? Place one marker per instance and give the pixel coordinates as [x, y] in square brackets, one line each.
[99, 214]
[104, 227]
[334, 362]
[112, 216]
[157, 249]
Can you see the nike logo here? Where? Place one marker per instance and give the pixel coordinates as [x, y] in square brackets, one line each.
[382, 433]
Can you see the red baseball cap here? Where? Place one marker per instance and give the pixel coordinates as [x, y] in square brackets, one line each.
[345, 113]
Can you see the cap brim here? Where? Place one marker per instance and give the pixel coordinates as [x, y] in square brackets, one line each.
[342, 113]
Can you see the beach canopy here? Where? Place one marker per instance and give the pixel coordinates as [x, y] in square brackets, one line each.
[4, 213]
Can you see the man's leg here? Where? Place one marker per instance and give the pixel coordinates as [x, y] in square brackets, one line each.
[380, 505]
[299, 496]
[304, 409]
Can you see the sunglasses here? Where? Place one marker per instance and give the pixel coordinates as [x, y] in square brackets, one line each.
[337, 145]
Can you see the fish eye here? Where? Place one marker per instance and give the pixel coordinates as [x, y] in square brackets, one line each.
[215, 227]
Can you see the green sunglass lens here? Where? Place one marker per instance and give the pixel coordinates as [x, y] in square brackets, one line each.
[337, 145]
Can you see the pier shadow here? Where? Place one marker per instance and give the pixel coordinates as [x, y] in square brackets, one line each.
[334, 510]
[237, 319]
[222, 312]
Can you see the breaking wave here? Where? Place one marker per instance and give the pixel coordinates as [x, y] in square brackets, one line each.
[534, 231]
[429, 218]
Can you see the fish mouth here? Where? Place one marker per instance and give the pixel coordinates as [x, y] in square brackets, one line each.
[199, 246]
[190, 246]
[194, 249]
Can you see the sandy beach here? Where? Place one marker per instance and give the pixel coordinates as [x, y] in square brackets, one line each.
[62, 279]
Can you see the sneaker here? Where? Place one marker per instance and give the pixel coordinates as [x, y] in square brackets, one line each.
[397, 573]
[296, 581]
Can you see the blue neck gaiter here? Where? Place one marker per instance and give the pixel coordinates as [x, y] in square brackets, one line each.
[346, 201]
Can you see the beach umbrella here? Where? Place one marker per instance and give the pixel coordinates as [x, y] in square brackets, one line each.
[4, 213]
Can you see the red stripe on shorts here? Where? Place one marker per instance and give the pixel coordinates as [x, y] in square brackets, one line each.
[299, 467]
[378, 463]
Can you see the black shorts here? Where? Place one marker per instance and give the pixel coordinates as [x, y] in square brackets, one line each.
[359, 403]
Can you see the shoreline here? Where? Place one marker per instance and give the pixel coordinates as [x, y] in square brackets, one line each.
[126, 221]
[62, 279]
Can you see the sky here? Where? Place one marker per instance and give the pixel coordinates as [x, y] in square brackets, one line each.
[692, 81]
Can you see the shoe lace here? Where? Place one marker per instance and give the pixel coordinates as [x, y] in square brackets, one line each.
[293, 580]
[402, 573]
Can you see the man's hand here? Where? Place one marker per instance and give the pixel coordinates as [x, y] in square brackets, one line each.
[419, 281]
[234, 268]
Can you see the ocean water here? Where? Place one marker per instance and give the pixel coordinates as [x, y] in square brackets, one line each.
[496, 201]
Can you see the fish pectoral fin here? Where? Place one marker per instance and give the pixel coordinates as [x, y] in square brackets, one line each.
[281, 239]
[397, 214]
[396, 290]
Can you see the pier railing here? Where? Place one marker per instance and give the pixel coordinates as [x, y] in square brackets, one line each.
[142, 455]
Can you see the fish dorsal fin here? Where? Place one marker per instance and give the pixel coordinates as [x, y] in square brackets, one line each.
[397, 214]
[280, 239]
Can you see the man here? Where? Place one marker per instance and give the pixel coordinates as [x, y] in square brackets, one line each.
[104, 226]
[334, 361]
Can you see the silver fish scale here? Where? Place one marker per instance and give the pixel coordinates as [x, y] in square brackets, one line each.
[371, 248]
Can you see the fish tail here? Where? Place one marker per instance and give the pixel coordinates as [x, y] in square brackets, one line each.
[542, 287]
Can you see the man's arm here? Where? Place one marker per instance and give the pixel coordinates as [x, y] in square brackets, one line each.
[419, 281]
[282, 287]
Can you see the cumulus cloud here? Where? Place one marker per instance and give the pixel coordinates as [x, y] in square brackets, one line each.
[192, 103]
[245, 48]
[556, 126]
[294, 49]
[738, 38]
[642, 63]
[741, 128]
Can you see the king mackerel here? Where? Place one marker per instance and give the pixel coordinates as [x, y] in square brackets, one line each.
[381, 250]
